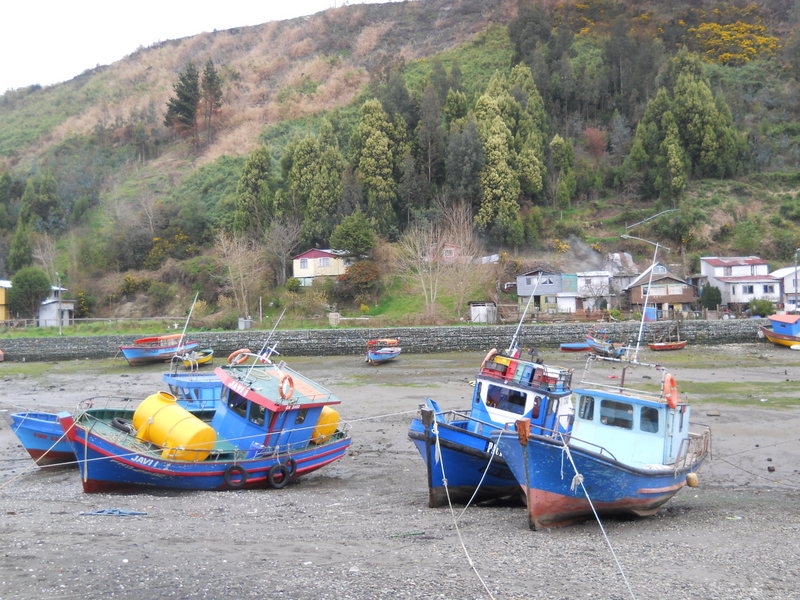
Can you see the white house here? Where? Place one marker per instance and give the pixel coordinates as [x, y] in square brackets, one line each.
[740, 279]
[789, 278]
[55, 308]
[315, 263]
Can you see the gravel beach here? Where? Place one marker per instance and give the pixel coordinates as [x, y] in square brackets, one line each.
[360, 528]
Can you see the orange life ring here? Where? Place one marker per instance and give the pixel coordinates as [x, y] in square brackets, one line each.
[671, 391]
[237, 357]
[286, 387]
[489, 356]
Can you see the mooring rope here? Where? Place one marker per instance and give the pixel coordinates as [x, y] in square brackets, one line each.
[435, 431]
[483, 476]
[578, 480]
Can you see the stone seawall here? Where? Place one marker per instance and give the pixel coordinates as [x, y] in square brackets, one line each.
[343, 341]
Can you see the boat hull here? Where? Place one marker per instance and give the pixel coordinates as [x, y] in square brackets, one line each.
[664, 346]
[575, 347]
[378, 357]
[555, 497]
[780, 339]
[107, 465]
[42, 437]
[142, 355]
[467, 462]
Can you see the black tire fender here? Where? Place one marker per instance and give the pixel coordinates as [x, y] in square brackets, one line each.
[235, 476]
[272, 479]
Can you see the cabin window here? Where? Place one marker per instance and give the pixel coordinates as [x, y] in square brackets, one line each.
[257, 414]
[237, 403]
[616, 414]
[477, 397]
[649, 419]
[586, 408]
[506, 399]
[301, 416]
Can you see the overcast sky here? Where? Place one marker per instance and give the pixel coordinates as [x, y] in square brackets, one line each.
[50, 41]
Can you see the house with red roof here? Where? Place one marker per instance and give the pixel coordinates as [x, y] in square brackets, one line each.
[313, 264]
[740, 279]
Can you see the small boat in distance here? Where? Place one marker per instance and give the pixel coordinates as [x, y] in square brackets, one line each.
[669, 340]
[784, 330]
[628, 452]
[195, 359]
[575, 347]
[600, 345]
[271, 425]
[160, 348]
[382, 350]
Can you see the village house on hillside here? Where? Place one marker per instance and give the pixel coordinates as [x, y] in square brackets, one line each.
[668, 293]
[739, 279]
[313, 264]
[55, 311]
[789, 289]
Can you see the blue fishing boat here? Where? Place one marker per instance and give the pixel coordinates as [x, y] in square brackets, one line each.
[160, 348]
[600, 345]
[382, 350]
[461, 458]
[271, 425]
[628, 451]
[42, 437]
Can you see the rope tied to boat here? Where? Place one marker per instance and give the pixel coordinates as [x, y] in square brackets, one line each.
[577, 481]
[438, 451]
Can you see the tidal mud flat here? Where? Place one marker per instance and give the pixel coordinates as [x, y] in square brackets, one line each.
[361, 529]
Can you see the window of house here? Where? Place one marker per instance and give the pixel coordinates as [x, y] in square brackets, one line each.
[648, 419]
[616, 414]
[747, 289]
[768, 289]
[323, 262]
[303, 263]
[586, 408]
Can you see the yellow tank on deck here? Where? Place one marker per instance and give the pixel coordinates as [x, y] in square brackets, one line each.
[326, 425]
[159, 419]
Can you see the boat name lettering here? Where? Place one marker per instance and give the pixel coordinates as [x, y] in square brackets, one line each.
[491, 447]
[239, 387]
[147, 462]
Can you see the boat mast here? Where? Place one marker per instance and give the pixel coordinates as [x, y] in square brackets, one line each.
[189, 316]
[625, 236]
[512, 346]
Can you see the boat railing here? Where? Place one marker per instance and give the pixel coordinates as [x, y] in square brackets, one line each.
[565, 438]
[694, 448]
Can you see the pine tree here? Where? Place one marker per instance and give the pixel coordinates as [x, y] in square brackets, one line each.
[211, 93]
[253, 194]
[182, 107]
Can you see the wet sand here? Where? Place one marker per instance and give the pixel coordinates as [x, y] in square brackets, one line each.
[360, 528]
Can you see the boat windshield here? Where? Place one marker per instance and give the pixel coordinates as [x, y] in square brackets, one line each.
[507, 399]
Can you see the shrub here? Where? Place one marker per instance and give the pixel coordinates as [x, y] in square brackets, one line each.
[761, 307]
[293, 285]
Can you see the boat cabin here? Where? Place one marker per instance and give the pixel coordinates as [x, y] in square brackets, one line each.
[633, 430]
[785, 324]
[268, 410]
[509, 388]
